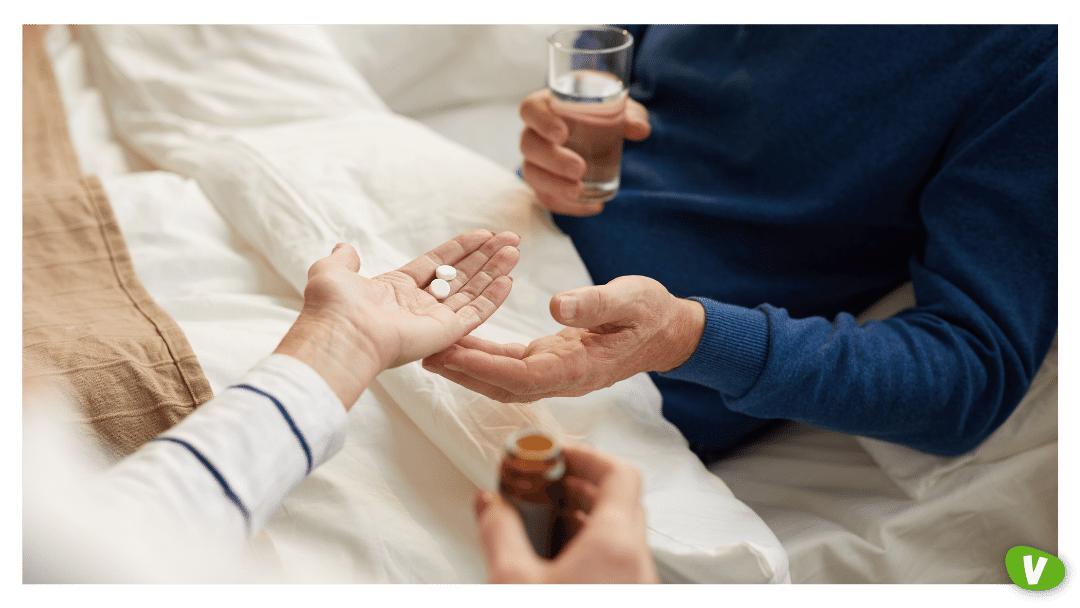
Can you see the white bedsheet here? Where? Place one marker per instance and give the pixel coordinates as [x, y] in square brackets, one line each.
[268, 161]
[859, 510]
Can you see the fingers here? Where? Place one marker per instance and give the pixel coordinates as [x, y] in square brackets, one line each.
[496, 371]
[551, 365]
[483, 306]
[558, 194]
[470, 283]
[510, 379]
[582, 493]
[482, 261]
[477, 386]
[559, 162]
[536, 112]
[452, 252]
[617, 482]
[482, 258]
[488, 288]
[514, 349]
[510, 557]
[553, 171]
[437, 363]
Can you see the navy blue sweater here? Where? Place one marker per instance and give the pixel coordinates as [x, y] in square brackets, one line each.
[796, 174]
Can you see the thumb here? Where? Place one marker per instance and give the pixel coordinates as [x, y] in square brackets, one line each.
[343, 255]
[636, 125]
[346, 255]
[510, 556]
[592, 306]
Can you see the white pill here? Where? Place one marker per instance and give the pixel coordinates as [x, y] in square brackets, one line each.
[440, 288]
[446, 273]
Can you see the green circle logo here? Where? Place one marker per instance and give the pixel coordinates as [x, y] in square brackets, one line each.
[1038, 576]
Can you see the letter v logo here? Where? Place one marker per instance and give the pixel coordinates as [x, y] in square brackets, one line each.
[1034, 574]
[1037, 575]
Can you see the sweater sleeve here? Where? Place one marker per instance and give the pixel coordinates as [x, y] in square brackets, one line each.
[943, 375]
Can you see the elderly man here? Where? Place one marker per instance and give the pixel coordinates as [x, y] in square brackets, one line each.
[780, 181]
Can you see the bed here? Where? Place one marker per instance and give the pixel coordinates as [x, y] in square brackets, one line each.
[235, 156]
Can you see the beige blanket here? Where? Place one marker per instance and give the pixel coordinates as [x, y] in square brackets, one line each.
[87, 320]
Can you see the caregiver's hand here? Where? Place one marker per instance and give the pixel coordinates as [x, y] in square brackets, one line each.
[554, 171]
[609, 547]
[351, 327]
[630, 325]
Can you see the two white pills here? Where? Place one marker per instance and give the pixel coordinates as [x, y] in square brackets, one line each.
[440, 287]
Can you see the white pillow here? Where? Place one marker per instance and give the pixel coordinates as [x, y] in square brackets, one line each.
[418, 69]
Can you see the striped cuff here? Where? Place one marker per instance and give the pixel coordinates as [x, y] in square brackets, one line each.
[731, 354]
[262, 437]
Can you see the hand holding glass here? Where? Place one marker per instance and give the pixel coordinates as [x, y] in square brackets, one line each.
[588, 71]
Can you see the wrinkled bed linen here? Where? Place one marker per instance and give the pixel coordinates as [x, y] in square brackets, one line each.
[858, 510]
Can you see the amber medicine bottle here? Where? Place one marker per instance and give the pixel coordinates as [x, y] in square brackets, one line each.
[530, 478]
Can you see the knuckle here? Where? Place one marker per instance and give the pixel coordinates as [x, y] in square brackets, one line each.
[603, 301]
[483, 307]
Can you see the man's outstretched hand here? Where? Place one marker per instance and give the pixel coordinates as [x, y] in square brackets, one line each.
[629, 325]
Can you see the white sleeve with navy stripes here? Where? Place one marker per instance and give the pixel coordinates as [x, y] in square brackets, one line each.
[227, 467]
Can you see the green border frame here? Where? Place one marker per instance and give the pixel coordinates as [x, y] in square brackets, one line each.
[487, 11]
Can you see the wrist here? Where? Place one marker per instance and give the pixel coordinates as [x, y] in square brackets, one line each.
[681, 333]
[336, 352]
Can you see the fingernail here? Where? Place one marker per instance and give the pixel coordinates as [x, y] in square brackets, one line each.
[568, 307]
[454, 368]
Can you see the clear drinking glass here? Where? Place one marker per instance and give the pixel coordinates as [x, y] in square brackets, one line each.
[588, 75]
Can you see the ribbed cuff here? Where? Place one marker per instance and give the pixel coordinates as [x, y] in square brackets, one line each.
[731, 354]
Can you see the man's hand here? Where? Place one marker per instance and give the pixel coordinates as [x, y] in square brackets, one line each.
[351, 328]
[630, 325]
[609, 546]
[554, 171]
